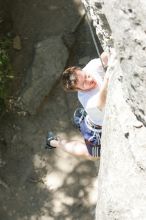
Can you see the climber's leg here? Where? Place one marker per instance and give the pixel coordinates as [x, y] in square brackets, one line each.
[74, 147]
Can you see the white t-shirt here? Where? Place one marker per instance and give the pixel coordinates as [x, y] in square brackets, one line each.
[88, 99]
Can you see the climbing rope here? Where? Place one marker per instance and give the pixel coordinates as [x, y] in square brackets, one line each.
[92, 35]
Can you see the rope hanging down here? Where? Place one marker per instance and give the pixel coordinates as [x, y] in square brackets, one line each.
[93, 37]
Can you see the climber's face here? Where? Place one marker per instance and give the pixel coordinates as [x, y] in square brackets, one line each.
[85, 81]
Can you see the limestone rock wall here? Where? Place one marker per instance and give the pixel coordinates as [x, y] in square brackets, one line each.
[99, 20]
[127, 21]
[122, 175]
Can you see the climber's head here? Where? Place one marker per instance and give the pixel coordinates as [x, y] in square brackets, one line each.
[74, 79]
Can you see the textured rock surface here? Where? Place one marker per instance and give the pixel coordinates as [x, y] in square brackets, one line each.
[122, 176]
[49, 61]
[129, 33]
[96, 13]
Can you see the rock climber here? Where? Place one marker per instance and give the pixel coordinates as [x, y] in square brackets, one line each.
[91, 84]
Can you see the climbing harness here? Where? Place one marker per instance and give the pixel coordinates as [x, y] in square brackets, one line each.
[97, 129]
[78, 116]
[92, 35]
[93, 137]
[91, 124]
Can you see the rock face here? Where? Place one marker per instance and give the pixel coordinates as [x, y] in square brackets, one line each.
[103, 31]
[122, 176]
[129, 33]
[49, 62]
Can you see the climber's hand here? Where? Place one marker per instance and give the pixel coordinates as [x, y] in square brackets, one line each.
[104, 58]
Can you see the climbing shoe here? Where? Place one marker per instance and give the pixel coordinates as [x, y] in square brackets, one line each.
[49, 138]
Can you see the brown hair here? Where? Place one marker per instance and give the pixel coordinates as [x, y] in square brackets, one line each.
[69, 78]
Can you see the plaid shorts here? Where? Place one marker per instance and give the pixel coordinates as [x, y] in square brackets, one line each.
[91, 136]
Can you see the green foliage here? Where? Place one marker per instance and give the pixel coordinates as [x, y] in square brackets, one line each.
[6, 73]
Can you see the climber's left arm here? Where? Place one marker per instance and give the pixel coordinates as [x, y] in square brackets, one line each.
[108, 60]
[102, 94]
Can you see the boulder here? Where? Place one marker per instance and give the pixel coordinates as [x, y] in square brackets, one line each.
[50, 58]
